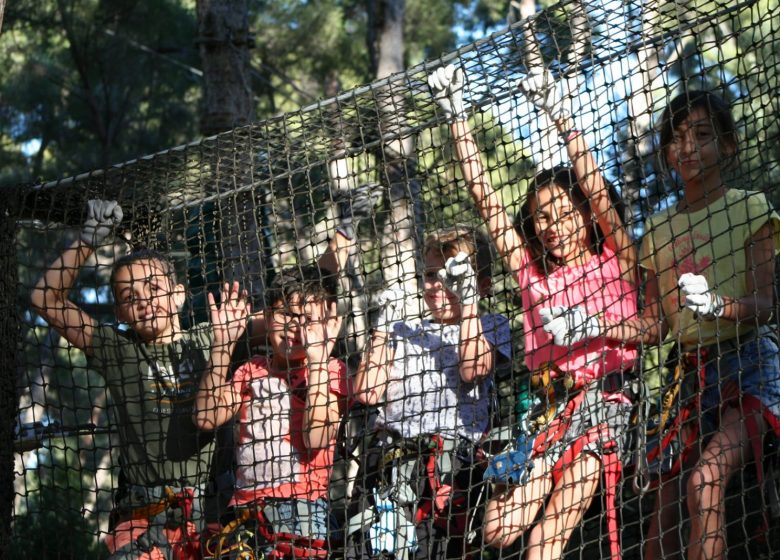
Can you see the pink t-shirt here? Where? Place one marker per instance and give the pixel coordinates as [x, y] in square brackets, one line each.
[598, 287]
[272, 460]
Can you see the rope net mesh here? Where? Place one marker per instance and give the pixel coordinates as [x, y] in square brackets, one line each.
[105, 436]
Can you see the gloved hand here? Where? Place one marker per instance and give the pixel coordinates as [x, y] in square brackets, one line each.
[697, 296]
[392, 302]
[355, 205]
[539, 88]
[102, 217]
[568, 325]
[459, 277]
[446, 85]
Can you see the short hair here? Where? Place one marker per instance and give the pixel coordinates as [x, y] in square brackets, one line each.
[306, 281]
[684, 104]
[450, 241]
[145, 255]
[564, 177]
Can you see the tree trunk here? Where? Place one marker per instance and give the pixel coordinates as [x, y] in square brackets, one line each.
[224, 40]
[399, 244]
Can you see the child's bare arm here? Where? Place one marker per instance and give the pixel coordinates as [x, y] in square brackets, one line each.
[446, 85]
[49, 297]
[322, 411]
[217, 400]
[475, 352]
[757, 305]
[540, 88]
[650, 328]
[372, 375]
[590, 178]
[477, 356]
[761, 279]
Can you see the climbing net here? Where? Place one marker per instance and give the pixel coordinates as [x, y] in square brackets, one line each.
[246, 204]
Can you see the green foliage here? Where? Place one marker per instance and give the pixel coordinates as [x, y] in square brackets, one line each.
[53, 528]
[79, 92]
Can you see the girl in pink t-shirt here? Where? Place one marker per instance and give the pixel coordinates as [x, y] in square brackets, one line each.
[575, 264]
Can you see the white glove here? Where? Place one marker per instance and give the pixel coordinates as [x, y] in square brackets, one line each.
[568, 325]
[355, 205]
[697, 296]
[459, 277]
[446, 85]
[539, 88]
[102, 217]
[392, 302]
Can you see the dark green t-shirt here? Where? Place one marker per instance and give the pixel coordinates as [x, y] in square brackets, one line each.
[153, 389]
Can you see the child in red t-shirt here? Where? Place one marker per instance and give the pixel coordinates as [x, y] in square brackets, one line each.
[288, 405]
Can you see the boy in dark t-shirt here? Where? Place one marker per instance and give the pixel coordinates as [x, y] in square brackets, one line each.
[152, 370]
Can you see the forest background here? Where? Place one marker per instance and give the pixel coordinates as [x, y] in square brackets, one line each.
[87, 84]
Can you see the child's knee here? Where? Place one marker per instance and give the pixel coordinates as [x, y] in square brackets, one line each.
[704, 486]
[498, 528]
[496, 535]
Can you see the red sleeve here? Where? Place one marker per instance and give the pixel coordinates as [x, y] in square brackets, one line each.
[340, 383]
[256, 367]
[339, 380]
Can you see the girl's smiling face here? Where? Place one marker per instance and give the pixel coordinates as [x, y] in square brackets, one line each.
[444, 306]
[562, 227]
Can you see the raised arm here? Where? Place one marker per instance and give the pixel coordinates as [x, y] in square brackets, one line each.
[49, 297]
[446, 85]
[373, 371]
[353, 206]
[476, 353]
[321, 422]
[540, 88]
[217, 400]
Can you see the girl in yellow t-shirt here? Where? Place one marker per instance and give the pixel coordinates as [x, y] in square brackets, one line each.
[711, 264]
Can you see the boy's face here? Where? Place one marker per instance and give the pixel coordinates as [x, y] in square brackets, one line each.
[444, 305]
[147, 300]
[289, 324]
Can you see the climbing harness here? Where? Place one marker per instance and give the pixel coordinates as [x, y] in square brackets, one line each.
[250, 536]
[152, 520]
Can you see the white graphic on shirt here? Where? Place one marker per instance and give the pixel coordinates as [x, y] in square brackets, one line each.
[266, 458]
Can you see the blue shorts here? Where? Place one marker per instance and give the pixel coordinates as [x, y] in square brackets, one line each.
[754, 366]
[300, 517]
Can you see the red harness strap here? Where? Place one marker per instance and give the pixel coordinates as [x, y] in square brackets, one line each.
[610, 461]
[289, 545]
[675, 430]
[440, 493]
[182, 538]
[752, 407]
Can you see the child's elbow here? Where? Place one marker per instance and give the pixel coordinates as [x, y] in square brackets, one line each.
[38, 300]
[367, 398]
[318, 439]
[204, 421]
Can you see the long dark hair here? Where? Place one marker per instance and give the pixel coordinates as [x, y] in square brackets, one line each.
[565, 178]
[683, 105]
